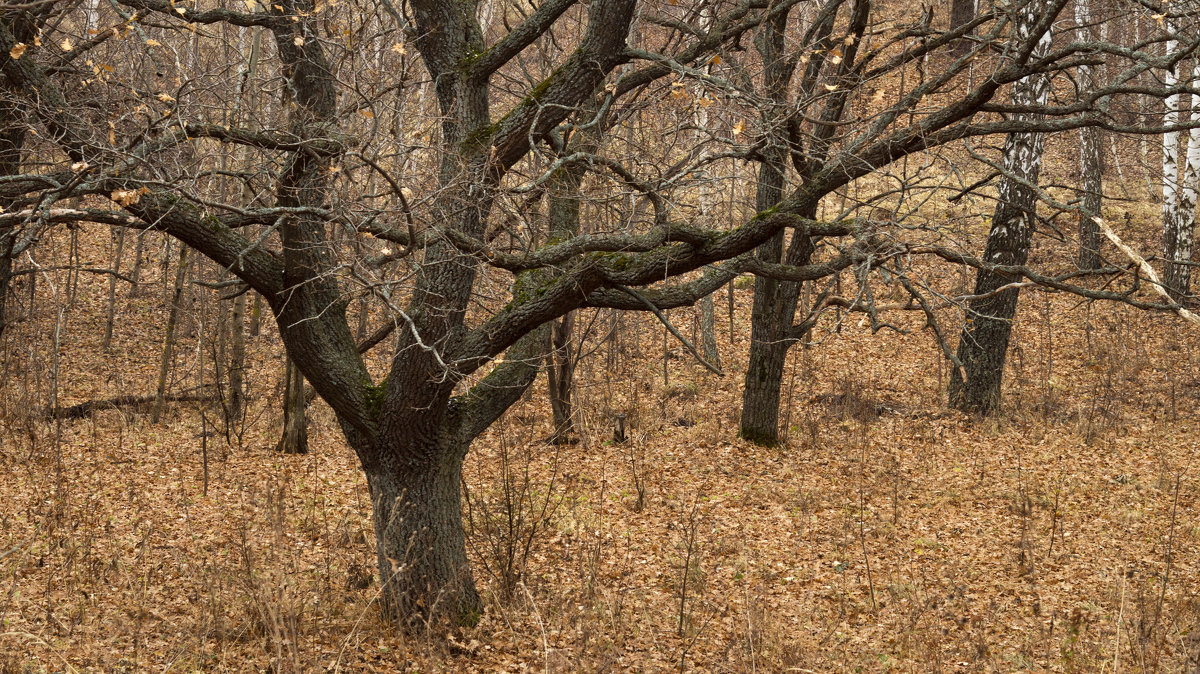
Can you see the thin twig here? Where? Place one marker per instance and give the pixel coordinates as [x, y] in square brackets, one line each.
[671, 328]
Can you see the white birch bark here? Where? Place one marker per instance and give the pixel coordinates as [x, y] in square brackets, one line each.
[1090, 157]
[1185, 216]
[91, 17]
[1174, 275]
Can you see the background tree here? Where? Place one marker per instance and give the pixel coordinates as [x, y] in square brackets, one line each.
[1179, 182]
[471, 292]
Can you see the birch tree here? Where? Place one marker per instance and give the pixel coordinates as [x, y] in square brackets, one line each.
[975, 385]
[1091, 163]
[1179, 182]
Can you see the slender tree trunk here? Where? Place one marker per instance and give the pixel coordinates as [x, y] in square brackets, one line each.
[295, 426]
[136, 274]
[564, 199]
[708, 331]
[256, 312]
[110, 318]
[560, 375]
[1179, 218]
[708, 203]
[6, 245]
[983, 344]
[237, 359]
[168, 352]
[1091, 162]
[12, 140]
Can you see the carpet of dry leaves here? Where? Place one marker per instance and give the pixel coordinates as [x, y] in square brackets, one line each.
[889, 534]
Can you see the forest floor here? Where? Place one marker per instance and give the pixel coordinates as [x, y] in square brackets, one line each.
[887, 534]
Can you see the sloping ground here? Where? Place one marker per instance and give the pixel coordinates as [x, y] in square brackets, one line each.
[889, 534]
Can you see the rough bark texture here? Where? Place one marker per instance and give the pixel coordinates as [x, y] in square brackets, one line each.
[774, 301]
[983, 344]
[1174, 275]
[12, 139]
[560, 377]
[418, 529]
[1179, 208]
[962, 12]
[772, 331]
[411, 430]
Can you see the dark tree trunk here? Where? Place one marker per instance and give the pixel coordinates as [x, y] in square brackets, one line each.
[772, 331]
[237, 360]
[418, 532]
[168, 351]
[12, 139]
[1092, 167]
[983, 344]
[708, 331]
[962, 12]
[771, 336]
[772, 313]
[295, 426]
[560, 375]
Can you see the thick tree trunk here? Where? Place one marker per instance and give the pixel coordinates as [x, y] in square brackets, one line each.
[764, 380]
[962, 12]
[12, 139]
[771, 319]
[419, 536]
[983, 344]
[295, 426]
[774, 301]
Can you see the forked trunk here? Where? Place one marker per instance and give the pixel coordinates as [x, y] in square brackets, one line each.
[424, 573]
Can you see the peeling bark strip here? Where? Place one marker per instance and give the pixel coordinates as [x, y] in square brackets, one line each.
[1146, 269]
[983, 344]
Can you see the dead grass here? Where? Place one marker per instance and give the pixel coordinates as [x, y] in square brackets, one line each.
[888, 535]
